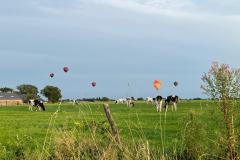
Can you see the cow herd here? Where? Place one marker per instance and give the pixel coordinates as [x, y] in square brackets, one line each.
[157, 101]
[169, 101]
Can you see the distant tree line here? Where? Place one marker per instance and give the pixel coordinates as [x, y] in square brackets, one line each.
[6, 89]
[103, 99]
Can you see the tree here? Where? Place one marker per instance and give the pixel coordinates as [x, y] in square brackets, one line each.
[52, 93]
[28, 91]
[6, 89]
[222, 83]
[105, 99]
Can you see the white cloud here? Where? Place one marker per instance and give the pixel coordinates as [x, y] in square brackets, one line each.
[150, 5]
[170, 4]
[179, 8]
[190, 9]
[176, 8]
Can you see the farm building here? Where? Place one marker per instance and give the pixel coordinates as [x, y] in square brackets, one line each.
[7, 99]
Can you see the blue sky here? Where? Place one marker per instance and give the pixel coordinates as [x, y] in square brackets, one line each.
[116, 42]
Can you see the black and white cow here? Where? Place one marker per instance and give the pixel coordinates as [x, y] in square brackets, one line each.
[121, 101]
[130, 102]
[149, 100]
[158, 101]
[36, 103]
[171, 100]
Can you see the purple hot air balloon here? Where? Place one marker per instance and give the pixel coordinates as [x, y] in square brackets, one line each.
[94, 84]
[51, 75]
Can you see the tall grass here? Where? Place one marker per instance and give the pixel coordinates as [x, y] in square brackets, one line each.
[201, 137]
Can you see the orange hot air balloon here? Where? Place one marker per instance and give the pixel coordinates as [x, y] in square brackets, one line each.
[157, 84]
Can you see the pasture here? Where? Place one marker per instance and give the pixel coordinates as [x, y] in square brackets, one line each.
[196, 124]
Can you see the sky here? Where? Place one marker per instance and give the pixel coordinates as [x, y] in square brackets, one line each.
[123, 45]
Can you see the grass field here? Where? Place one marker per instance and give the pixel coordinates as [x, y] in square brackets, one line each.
[31, 130]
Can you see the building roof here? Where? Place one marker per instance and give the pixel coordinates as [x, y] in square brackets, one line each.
[9, 96]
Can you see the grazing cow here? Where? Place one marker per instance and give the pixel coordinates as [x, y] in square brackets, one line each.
[130, 102]
[73, 102]
[158, 101]
[35, 103]
[149, 100]
[121, 101]
[171, 100]
[154, 100]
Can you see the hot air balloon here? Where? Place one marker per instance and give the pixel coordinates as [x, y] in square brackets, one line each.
[175, 83]
[157, 84]
[94, 84]
[65, 69]
[51, 75]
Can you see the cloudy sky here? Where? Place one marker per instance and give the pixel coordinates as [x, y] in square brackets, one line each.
[116, 43]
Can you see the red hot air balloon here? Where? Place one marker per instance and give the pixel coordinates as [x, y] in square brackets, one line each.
[94, 84]
[65, 69]
[51, 75]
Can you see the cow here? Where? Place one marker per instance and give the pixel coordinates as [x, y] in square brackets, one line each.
[149, 100]
[158, 101]
[171, 100]
[35, 103]
[121, 101]
[130, 102]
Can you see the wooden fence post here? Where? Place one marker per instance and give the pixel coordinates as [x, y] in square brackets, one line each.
[111, 122]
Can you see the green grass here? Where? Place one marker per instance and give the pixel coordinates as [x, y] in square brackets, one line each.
[143, 123]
